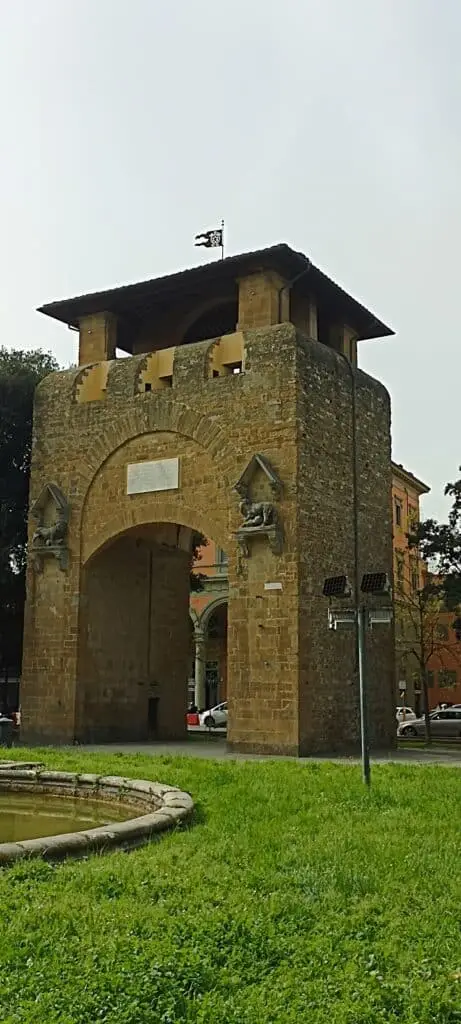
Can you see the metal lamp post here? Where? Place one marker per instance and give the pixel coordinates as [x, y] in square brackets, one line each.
[375, 583]
[359, 610]
[361, 617]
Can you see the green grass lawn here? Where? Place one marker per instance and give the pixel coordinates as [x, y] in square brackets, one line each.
[294, 896]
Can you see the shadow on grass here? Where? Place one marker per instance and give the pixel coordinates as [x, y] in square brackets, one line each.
[198, 816]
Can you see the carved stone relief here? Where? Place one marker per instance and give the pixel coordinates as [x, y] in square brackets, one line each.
[50, 538]
[259, 517]
[259, 462]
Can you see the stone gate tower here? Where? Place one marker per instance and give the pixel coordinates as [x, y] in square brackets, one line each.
[231, 417]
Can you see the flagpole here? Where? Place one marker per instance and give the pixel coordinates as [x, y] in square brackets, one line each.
[222, 239]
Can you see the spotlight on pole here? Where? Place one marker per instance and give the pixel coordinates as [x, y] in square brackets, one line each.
[337, 586]
[376, 583]
[360, 616]
[343, 619]
[379, 617]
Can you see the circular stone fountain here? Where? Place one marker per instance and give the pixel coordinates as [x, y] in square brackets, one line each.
[157, 808]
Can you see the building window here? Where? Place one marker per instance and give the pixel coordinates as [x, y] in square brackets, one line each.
[430, 679]
[447, 678]
[221, 562]
[442, 632]
[398, 512]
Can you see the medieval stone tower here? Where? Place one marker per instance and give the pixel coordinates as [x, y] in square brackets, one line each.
[231, 417]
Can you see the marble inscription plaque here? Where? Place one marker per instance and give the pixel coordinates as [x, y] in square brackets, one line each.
[144, 477]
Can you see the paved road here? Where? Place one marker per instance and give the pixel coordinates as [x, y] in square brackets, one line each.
[214, 747]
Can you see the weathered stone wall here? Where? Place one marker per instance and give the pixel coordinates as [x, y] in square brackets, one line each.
[214, 426]
[329, 696]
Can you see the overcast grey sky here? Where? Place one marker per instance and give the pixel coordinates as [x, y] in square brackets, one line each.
[331, 125]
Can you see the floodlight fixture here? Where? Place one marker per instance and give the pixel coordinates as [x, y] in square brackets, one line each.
[376, 583]
[379, 617]
[338, 620]
[337, 586]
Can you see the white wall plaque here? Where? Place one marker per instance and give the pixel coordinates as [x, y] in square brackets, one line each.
[272, 586]
[161, 475]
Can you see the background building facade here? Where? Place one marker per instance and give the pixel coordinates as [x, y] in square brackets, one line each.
[208, 614]
[413, 629]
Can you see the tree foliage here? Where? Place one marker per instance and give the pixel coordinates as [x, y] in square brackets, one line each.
[423, 610]
[422, 636]
[20, 373]
[439, 544]
[197, 579]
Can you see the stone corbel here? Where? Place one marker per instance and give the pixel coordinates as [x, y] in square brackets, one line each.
[273, 533]
[60, 553]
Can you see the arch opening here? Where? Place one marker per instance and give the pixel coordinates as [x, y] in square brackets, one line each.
[208, 676]
[213, 323]
[138, 629]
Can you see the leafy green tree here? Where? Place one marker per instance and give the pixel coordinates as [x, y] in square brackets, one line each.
[20, 372]
[197, 579]
[439, 544]
[424, 609]
[422, 636]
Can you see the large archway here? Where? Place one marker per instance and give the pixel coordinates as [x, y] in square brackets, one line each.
[134, 637]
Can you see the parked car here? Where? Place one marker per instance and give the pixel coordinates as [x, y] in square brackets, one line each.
[444, 724]
[404, 714]
[214, 717]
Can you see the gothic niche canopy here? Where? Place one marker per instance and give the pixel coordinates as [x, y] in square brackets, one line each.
[259, 518]
[51, 510]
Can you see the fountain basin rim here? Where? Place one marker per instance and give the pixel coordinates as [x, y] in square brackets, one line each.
[162, 806]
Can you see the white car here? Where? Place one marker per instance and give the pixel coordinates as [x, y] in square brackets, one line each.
[443, 724]
[405, 714]
[215, 717]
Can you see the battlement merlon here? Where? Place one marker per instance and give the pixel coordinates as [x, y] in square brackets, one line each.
[244, 292]
[193, 372]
